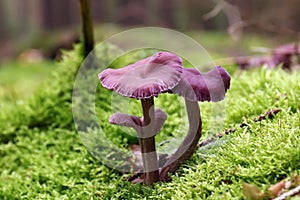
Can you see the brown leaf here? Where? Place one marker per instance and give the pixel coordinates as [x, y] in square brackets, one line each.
[276, 188]
[252, 192]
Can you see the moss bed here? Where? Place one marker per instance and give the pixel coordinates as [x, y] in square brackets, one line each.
[42, 156]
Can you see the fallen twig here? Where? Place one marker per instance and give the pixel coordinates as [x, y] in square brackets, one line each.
[269, 114]
[292, 192]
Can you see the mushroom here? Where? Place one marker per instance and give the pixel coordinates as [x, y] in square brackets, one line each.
[137, 123]
[283, 55]
[144, 80]
[255, 61]
[194, 87]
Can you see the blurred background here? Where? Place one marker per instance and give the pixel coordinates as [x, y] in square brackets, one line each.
[48, 25]
[32, 32]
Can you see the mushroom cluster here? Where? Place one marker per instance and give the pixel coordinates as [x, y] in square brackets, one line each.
[163, 72]
[282, 55]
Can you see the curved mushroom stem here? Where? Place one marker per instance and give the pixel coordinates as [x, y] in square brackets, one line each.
[147, 142]
[189, 144]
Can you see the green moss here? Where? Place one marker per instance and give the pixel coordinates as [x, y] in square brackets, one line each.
[42, 156]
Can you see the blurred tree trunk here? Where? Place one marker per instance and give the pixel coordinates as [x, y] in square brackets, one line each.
[180, 15]
[2, 21]
[153, 7]
[11, 11]
[61, 12]
[105, 11]
[20, 17]
[112, 8]
[166, 10]
[34, 19]
[73, 17]
[56, 13]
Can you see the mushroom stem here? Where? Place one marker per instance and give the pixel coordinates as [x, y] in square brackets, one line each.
[189, 144]
[147, 142]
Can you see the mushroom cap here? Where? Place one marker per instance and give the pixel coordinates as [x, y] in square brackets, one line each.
[210, 86]
[146, 78]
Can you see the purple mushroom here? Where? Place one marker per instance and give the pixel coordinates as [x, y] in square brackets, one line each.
[144, 80]
[137, 123]
[147, 78]
[255, 61]
[283, 55]
[194, 87]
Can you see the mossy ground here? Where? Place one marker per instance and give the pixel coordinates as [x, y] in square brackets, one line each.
[42, 156]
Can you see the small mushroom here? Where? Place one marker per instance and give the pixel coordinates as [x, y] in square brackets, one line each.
[255, 61]
[144, 80]
[283, 55]
[194, 87]
[136, 122]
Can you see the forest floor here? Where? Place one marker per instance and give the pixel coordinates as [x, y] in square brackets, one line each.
[43, 157]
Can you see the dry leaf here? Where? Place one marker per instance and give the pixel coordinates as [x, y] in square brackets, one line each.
[276, 188]
[252, 192]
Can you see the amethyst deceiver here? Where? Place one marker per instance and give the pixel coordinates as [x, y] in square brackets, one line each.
[283, 55]
[163, 72]
[255, 61]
